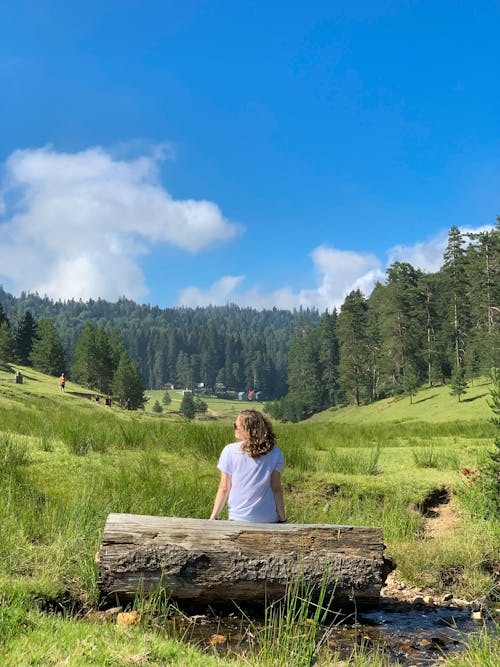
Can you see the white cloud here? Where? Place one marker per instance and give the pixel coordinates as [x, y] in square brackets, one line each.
[76, 223]
[338, 273]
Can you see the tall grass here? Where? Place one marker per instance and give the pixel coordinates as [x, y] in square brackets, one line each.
[294, 630]
[430, 457]
[481, 650]
[13, 453]
[357, 462]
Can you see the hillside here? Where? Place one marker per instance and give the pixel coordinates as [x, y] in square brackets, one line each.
[435, 404]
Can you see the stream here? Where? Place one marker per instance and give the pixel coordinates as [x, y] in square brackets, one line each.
[407, 634]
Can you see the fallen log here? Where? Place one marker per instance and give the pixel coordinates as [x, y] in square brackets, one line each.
[201, 560]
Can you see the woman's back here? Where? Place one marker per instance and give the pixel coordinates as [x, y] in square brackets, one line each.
[251, 497]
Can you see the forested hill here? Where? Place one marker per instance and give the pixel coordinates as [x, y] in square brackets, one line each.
[241, 348]
[417, 328]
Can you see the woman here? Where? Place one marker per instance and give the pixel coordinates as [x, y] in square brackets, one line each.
[251, 473]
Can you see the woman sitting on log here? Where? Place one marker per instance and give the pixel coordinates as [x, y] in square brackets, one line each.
[251, 473]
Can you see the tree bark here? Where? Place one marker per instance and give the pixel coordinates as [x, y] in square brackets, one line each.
[197, 559]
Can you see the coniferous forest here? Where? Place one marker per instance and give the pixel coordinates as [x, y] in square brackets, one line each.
[415, 328]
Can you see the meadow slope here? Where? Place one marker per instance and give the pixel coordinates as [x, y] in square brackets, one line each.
[67, 461]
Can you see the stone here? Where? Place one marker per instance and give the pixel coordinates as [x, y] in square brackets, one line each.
[126, 618]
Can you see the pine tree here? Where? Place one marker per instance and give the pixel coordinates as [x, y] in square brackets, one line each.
[23, 338]
[483, 271]
[379, 384]
[3, 315]
[47, 354]
[410, 382]
[128, 383]
[402, 322]
[183, 374]
[157, 407]
[212, 355]
[354, 347]
[304, 371]
[84, 367]
[187, 408]
[104, 367]
[6, 343]
[329, 357]
[166, 398]
[455, 264]
[458, 382]
[116, 347]
[426, 288]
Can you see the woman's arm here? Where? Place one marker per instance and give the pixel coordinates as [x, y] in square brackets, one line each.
[278, 494]
[222, 495]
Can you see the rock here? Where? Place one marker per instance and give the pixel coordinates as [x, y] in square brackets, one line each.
[477, 615]
[418, 600]
[126, 618]
[447, 597]
[217, 639]
[428, 599]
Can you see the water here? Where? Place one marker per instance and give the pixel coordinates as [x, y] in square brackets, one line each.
[406, 634]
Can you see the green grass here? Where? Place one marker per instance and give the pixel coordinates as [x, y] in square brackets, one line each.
[66, 462]
[434, 404]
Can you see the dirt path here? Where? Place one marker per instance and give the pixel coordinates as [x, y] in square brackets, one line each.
[442, 522]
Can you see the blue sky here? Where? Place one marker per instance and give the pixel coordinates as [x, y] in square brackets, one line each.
[263, 153]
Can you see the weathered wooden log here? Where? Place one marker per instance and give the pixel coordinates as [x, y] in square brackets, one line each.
[197, 559]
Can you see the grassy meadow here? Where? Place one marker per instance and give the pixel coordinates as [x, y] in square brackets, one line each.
[67, 461]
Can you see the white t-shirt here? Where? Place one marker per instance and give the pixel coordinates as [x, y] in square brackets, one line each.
[251, 497]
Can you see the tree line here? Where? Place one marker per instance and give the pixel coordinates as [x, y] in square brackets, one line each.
[414, 328]
[226, 348]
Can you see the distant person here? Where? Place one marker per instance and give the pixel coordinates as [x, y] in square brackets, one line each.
[108, 401]
[62, 382]
[128, 404]
[19, 377]
[251, 473]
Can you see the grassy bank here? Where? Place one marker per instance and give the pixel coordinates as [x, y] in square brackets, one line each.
[66, 462]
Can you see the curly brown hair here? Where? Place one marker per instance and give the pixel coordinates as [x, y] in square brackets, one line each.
[259, 436]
